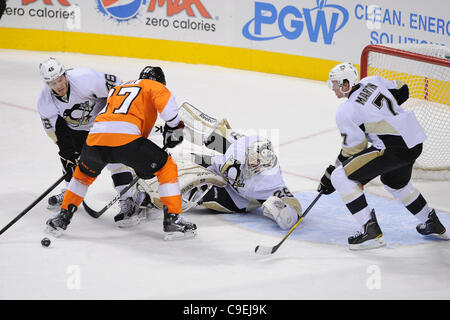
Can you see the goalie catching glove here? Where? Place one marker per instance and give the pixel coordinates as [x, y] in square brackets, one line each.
[173, 136]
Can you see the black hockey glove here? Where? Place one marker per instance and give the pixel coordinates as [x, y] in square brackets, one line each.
[325, 185]
[69, 163]
[173, 136]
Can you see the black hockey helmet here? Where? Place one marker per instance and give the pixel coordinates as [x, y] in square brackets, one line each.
[153, 73]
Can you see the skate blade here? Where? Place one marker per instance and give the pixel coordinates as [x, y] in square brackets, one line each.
[170, 236]
[53, 208]
[54, 232]
[443, 236]
[129, 223]
[370, 244]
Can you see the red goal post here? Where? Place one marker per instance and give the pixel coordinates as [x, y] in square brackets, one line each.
[426, 70]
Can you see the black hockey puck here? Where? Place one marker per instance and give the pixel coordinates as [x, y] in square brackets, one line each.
[45, 242]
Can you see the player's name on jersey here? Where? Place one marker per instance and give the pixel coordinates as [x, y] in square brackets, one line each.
[365, 93]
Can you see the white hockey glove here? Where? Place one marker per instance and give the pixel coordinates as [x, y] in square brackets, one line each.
[277, 210]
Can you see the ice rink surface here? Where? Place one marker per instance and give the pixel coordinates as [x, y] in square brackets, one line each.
[96, 260]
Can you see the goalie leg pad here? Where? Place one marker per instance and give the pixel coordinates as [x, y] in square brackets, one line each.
[203, 129]
[199, 124]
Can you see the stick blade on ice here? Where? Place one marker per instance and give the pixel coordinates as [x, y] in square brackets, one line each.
[264, 250]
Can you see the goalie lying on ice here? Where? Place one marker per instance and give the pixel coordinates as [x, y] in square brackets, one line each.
[246, 177]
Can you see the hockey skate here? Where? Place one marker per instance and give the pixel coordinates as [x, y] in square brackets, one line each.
[145, 207]
[127, 216]
[176, 227]
[55, 201]
[58, 224]
[135, 210]
[370, 237]
[433, 227]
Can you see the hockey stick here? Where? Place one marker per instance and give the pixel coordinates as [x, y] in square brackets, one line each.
[270, 250]
[46, 192]
[97, 214]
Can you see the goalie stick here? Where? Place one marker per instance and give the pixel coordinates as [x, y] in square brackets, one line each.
[270, 250]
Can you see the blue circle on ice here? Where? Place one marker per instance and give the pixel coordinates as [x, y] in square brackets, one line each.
[330, 222]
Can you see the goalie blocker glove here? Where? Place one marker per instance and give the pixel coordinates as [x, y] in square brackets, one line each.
[277, 210]
[173, 136]
[325, 185]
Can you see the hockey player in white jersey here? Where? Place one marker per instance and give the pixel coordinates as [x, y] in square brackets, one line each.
[68, 105]
[372, 115]
[254, 180]
[242, 175]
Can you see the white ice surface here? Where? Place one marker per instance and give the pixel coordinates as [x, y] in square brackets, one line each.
[220, 263]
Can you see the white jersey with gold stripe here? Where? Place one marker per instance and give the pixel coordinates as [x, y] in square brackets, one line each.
[87, 94]
[372, 114]
[246, 190]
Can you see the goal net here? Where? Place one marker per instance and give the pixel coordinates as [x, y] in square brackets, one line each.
[426, 70]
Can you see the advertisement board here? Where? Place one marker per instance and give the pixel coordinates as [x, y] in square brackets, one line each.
[322, 30]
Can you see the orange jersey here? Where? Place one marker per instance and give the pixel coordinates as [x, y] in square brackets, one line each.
[131, 111]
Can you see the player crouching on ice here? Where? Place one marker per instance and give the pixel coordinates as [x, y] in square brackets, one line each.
[119, 135]
[241, 176]
[372, 113]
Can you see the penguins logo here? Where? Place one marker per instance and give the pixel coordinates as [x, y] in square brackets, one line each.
[79, 115]
[236, 172]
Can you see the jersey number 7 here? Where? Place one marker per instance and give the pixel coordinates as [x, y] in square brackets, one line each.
[378, 102]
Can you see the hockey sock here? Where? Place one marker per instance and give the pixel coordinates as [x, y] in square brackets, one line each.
[352, 194]
[122, 177]
[169, 188]
[413, 200]
[77, 189]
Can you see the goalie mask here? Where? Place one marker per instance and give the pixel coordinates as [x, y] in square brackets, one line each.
[259, 157]
[51, 69]
[341, 72]
[153, 73]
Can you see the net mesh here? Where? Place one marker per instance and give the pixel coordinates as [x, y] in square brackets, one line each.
[429, 86]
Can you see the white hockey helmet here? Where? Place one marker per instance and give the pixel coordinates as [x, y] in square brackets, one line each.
[259, 156]
[51, 69]
[341, 72]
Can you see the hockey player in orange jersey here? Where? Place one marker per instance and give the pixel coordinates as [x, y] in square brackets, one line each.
[119, 135]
